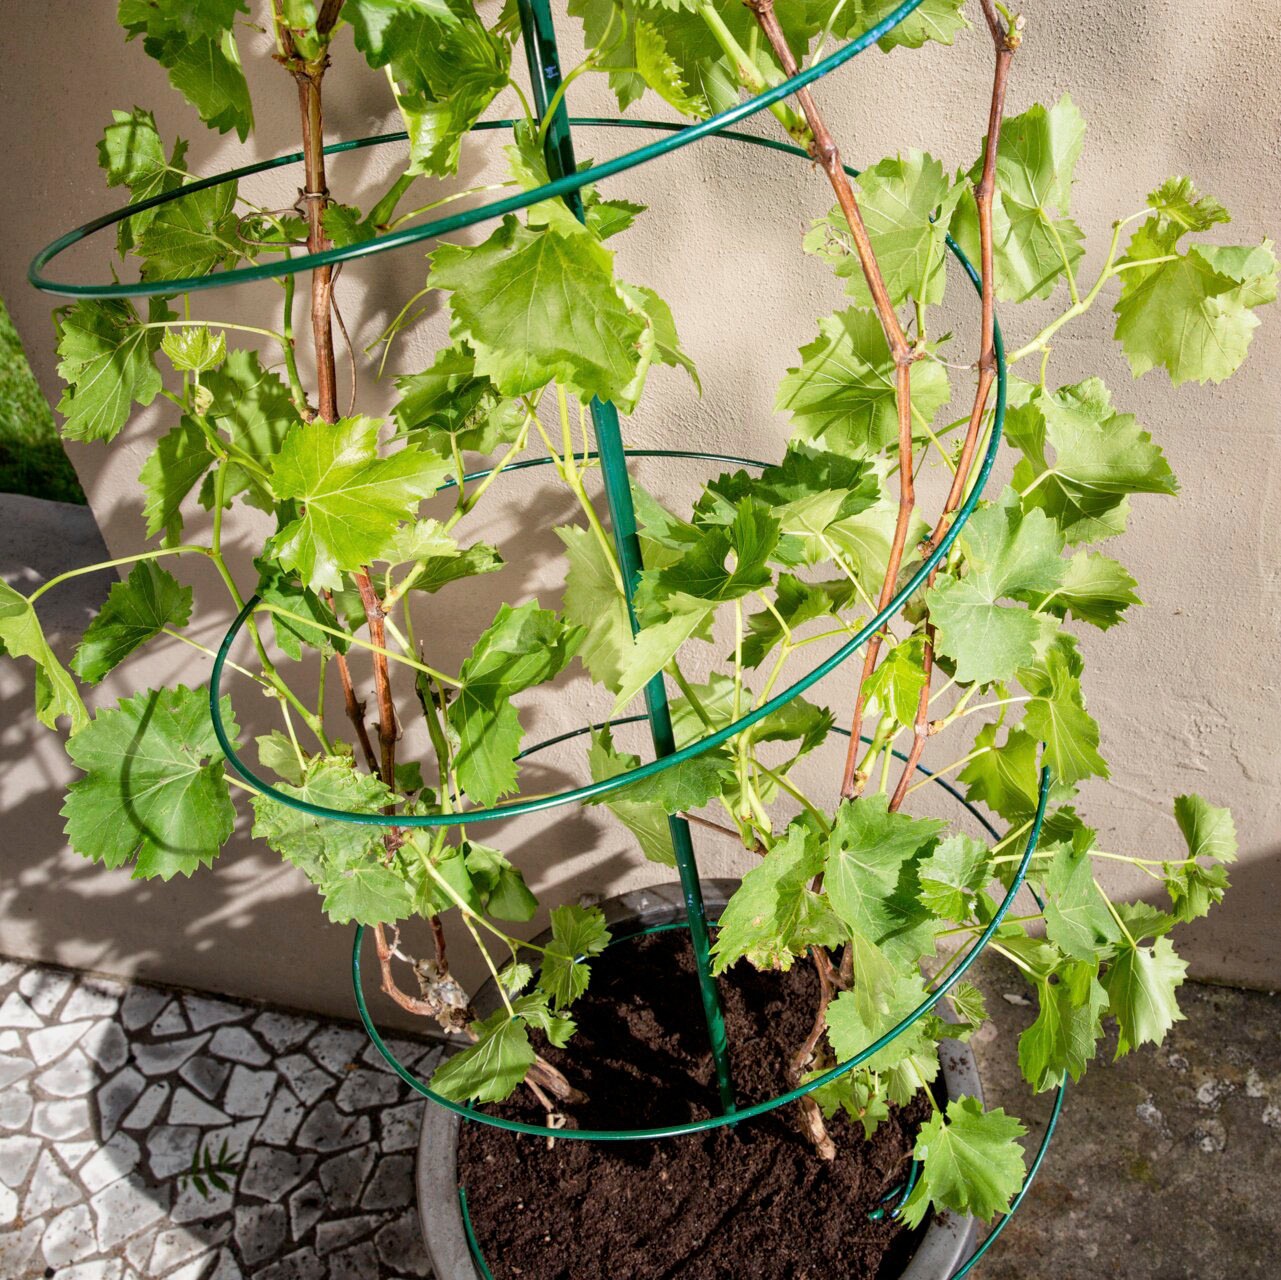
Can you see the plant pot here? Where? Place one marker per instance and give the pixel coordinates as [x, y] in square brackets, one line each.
[945, 1243]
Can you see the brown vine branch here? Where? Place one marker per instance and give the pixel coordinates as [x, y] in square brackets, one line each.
[1006, 41]
[826, 152]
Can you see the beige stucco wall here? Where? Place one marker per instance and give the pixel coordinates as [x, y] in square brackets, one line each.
[1187, 693]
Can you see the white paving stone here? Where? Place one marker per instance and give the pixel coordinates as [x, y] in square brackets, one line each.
[68, 1236]
[15, 1107]
[93, 998]
[206, 1075]
[306, 1079]
[400, 1126]
[18, 1247]
[270, 1174]
[190, 1206]
[8, 1211]
[227, 1269]
[249, 1092]
[72, 1153]
[140, 1005]
[171, 1148]
[179, 1244]
[336, 1048]
[70, 1077]
[52, 1042]
[282, 1119]
[51, 1187]
[60, 1120]
[260, 1231]
[169, 1055]
[106, 1044]
[186, 1108]
[116, 1096]
[125, 1208]
[363, 1089]
[147, 1107]
[400, 1246]
[238, 1045]
[99, 1269]
[392, 1186]
[13, 1067]
[343, 1176]
[115, 1159]
[10, 971]
[170, 1022]
[17, 1155]
[16, 1012]
[44, 989]
[203, 1012]
[306, 1206]
[327, 1129]
[10, 1042]
[282, 1030]
[335, 1233]
[193, 1270]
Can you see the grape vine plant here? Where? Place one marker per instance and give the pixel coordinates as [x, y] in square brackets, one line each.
[352, 576]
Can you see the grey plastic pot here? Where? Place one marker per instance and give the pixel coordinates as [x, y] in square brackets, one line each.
[947, 1239]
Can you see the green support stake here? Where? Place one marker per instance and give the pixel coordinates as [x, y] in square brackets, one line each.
[558, 148]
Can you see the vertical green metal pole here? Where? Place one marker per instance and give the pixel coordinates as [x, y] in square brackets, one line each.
[545, 77]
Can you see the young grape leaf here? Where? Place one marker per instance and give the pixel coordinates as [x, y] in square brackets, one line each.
[135, 611]
[1056, 715]
[539, 304]
[180, 458]
[851, 1030]
[369, 894]
[728, 561]
[132, 153]
[795, 604]
[490, 1069]
[680, 787]
[1194, 889]
[906, 203]
[522, 647]
[774, 916]
[1192, 313]
[866, 854]
[1100, 457]
[1208, 829]
[108, 363]
[276, 752]
[593, 601]
[194, 348]
[353, 498]
[21, 636]
[1141, 982]
[663, 74]
[655, 644]
[578, 933]
[276, 587]
[859, 1093]
[500, 888]
[450, 400]
[1095, 589]
[196, 44]
[1077, 920]
[646, 820]
[154, 788]
[1034, 242]
[842, 394]
[896, 685]
[1179, 204]
[1006, 552]
[192, 235]
[1067, 1027]
[935, 20]
[952, 875]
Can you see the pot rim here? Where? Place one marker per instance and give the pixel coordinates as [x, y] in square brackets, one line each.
[942, 1247]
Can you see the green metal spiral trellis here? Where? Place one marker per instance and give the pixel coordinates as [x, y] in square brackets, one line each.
[566, 182]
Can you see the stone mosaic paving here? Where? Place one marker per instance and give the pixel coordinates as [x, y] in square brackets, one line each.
[107, 1091]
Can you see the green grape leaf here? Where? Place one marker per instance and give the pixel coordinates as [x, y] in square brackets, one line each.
[1077, 920]
[136, 611]
[685, 786]
[774, 916]
[1056, 715]
[253, 408]
[154, 789]
[276, 587]
[593, 601]
[897, 684]
[500, 888]
[1208, 829]
[537, 305]
[521, 648]
[370, 894]
[952, 875]
[1095, 589]
[867, 852]
[180, 458]
[132, 153]
[842, 394]
[1031, 233]
[1006, 552]
[578, 933]
[490, 1069]
[192, 235]
[1194, 889]
[450, 402]
[971, 1162]
[21, 636]
[1100, 457]
[1067, 1027]
[646, 820]
[851, 1030]
[1180, 205]
[276, 752]
[906, 203]
[795, 604]
[860, 1094]
[728, 561]
[196, 45]
[470, 562]
[663, 74]
[1190, 313]
[107, 360]
[354, 499]
[194, 348]
[935, 20]
[655, 644]
[968, 1002]
[320, 847]
[1141, 982]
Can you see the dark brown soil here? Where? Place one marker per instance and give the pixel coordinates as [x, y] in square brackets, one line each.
[751, 1202]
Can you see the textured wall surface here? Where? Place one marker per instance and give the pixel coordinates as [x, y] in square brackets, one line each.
[1187, 693]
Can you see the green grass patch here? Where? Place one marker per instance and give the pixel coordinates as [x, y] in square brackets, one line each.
[32, 459]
